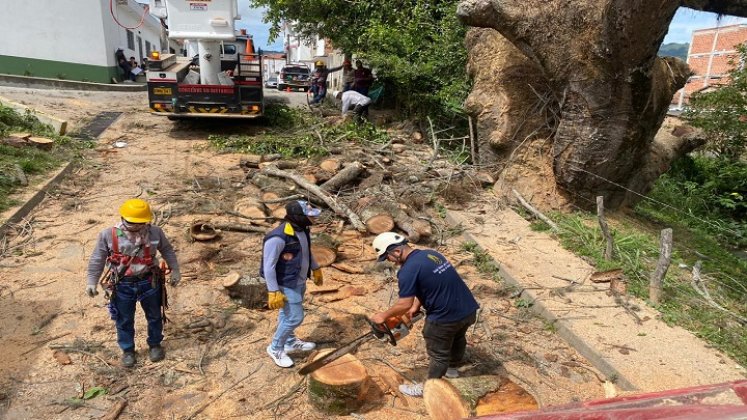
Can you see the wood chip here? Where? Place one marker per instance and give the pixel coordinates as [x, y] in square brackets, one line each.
[62, 357]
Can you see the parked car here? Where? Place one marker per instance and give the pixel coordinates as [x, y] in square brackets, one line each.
[294, 76]
[271, 82]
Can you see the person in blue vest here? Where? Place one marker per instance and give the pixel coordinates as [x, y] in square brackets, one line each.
[129, 249]
[426, 278]
[286, 264]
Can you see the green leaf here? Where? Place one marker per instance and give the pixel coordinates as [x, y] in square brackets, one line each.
[94, 392]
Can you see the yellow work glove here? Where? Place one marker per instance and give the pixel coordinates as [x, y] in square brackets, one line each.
[317, 276]
[276, 300]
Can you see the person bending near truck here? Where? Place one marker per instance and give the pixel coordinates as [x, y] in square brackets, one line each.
[354, 102]
[427, 279]
[286, 264]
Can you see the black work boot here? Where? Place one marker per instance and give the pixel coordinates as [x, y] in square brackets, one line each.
[156, 354]
[128, 359]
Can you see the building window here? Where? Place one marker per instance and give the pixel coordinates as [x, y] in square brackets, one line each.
[147, 48]
[130, 40]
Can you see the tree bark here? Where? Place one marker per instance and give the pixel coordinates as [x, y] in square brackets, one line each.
[594, 67]
[344, 177]
[250, 291]
[665, 258]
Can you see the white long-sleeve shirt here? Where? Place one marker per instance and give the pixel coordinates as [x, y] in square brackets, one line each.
[351, 98]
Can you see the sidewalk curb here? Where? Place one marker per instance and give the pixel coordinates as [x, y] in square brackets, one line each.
[43, 82]
[32, 202]
[58, 124]
[596, 359]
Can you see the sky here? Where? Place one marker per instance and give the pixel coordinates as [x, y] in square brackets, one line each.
[687, 20]
[251, 20]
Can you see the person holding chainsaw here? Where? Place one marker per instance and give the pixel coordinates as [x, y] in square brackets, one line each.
[427, 279]
[128, 252]
[286, 264]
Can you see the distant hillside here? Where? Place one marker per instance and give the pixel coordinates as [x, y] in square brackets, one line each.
[674, 50]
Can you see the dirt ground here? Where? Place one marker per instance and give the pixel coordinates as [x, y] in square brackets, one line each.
[43, 304]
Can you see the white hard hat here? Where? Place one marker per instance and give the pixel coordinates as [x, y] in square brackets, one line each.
[386, 240]
[335, 93]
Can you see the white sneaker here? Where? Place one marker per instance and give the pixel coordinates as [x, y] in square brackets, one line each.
[414, 390]
[279, 357]
[452, 373]
[299, 345]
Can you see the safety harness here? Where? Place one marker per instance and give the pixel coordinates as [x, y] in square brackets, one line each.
[120, 263]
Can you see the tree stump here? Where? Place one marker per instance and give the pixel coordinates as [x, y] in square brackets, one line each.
[250, 207]
[41, 142]
[447, 399]
[251, 291]
[330, 165]
[323, 255]
[340, 387]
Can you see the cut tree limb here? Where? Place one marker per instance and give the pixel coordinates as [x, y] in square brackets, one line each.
[344, 177]
[339, 208]
[535, 212]
[116, 410]
[700, 287]
[665, 258]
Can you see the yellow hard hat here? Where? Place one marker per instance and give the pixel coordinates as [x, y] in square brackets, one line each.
[136, 210]
[319, 63]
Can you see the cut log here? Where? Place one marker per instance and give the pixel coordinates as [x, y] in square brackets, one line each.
[15, 141]
[323, 255]
[316, 290]
[203, 231]
[372, 181]
[450, 399]
[376, 220]
[250, 207]
[281, 164]
[339, 208]
[344, 177]
[345, 292]
[348, 268]
[279, 213]
[250, 291]
[310, 177]
[250, 161]
[231, 279]
[340, 387]
[115, 410]
[41, 142]
[375, 203]
[272, 201]
[20, 135]
[237, 227]
[330, 165]
[320, 174]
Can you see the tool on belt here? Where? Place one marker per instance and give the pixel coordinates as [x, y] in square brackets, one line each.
[391, 331]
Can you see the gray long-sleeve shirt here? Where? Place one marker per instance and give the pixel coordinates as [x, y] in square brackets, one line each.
[273, 248]
[103, 249]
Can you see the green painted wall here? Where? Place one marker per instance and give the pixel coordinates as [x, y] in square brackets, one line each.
[23, 66]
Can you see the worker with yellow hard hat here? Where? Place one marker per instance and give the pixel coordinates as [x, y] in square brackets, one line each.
[319, 81]
[134, 274]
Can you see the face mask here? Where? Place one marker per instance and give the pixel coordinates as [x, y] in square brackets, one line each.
[133, 227]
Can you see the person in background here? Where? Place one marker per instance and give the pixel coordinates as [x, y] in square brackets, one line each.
[319, 81]
[363, 78]
[348, 75]
[354, 102]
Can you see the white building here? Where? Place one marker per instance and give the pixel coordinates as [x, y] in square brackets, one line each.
[74, 39]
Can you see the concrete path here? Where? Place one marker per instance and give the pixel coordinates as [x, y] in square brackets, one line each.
[649, 357]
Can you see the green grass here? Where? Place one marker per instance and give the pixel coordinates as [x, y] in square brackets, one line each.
[636, 253]
[30, 160]
[295, 133]
[484, 263]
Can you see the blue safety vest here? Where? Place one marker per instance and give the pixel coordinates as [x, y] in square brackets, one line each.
[289, 263]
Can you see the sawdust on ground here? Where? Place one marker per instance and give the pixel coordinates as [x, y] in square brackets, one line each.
[43, 301]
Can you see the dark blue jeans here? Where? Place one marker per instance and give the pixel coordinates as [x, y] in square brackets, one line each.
[446, 344]
[127, 295]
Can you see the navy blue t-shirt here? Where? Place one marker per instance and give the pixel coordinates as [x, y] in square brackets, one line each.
[427, 275]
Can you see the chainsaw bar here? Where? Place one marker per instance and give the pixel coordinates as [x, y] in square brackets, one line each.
[331, 357]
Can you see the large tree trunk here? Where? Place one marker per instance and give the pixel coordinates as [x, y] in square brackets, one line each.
[591, 68]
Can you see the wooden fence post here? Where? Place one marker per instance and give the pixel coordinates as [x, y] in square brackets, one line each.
[665, 257]
[609, 249]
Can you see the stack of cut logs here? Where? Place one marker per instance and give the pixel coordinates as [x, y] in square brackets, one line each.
[349, 190]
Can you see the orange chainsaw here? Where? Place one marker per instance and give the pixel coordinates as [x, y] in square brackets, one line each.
[391, 331]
